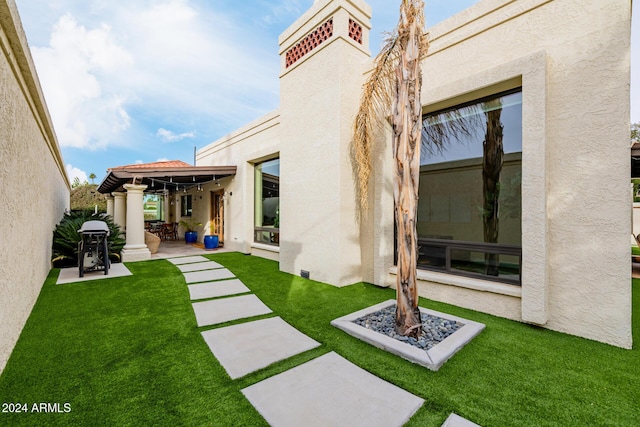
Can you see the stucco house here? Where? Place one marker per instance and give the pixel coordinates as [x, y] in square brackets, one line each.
[553, 74]
[35, 188]
[559, 69]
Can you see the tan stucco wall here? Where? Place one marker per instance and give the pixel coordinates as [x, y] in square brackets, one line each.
[34, 190]
[572, 60]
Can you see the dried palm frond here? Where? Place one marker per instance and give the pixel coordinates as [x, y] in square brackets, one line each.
[378, 95]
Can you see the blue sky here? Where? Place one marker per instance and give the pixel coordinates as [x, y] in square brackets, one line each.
[148, 80]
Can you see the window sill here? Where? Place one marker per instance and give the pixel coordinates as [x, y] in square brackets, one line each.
[466, 282]
[264, 247]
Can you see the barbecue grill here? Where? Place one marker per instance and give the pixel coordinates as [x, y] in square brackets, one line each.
[93, 252]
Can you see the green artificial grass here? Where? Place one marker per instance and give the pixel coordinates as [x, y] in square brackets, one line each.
[127, 351]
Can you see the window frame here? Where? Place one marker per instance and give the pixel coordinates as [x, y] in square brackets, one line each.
[447, 246]
[186, 205]
[266, 235]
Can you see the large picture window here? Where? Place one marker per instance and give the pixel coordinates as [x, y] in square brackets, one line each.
[267, 202]
[469, 209]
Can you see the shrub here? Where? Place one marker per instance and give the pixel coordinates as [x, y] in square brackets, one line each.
[66, 238]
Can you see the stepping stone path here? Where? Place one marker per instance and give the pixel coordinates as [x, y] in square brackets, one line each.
[225, 310]
[326, 391]
[217, 289]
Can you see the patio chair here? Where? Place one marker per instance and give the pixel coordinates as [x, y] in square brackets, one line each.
[170, 231]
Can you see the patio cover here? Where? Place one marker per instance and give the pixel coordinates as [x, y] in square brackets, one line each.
[156, 175]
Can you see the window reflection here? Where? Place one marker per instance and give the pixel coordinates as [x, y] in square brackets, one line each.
[469, 209]
[267, 202]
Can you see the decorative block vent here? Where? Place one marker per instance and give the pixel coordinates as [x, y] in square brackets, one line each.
[306, 45]
[355, 31]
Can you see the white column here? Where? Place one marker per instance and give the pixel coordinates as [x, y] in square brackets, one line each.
[135, 248]
[120, 210]
[109, 205]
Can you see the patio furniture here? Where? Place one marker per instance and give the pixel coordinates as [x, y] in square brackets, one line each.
[156, 228]
[169, 231]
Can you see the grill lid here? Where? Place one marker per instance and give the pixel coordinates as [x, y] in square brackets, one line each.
[94, 227]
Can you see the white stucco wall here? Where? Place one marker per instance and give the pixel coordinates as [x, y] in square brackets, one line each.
[34, 190]
[250, 144]
[310, 134]
[572, 60]
[319, 97]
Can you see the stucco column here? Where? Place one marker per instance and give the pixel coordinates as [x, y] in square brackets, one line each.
[109, 205]
[135, 248]
[120, 210]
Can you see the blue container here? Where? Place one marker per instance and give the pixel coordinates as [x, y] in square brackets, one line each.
[210, 242]
[190, 236]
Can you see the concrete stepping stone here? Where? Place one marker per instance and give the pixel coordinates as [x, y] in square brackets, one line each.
[197, 266]
[457, 421]
[331, 391]
[217, 289]
[187, 259]
[71, 274]
[227, 309]
[208, 275]
[247, 347]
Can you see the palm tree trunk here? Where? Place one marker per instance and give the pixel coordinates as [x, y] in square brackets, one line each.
[407, 125]
[491, 169]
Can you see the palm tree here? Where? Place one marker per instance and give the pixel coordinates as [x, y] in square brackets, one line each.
[492, 161]
[92, 177]
[394, 85]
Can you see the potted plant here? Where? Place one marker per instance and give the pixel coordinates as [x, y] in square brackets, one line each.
[190, 233]
[211, 239]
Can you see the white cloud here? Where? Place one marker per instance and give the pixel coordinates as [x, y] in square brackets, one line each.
[113, 69]
[162, 159]
[74, 173]
[169, 136]
[74, 70]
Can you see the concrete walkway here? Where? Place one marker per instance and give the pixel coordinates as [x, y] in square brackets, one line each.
[326, 391]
